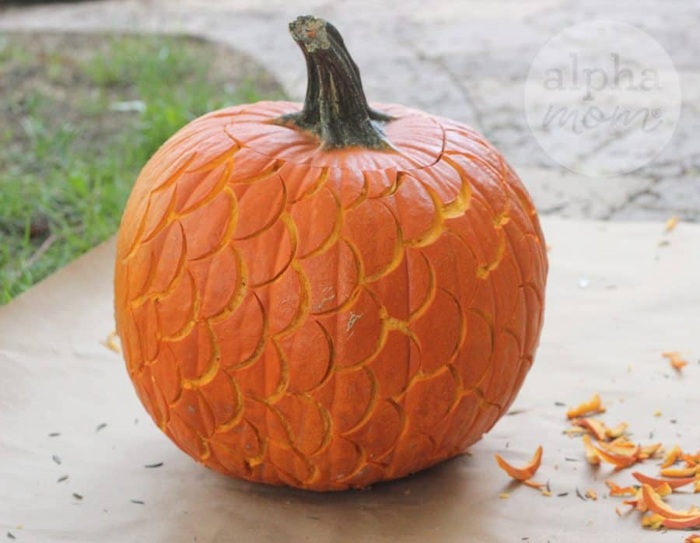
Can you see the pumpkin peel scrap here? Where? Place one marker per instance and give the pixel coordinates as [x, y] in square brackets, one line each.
[672, 456]
[638, 501]
[616, 432]
[653, 502]
[650, 451]
[690, 459]
[590, 407]
[617, 490]
[680, 473]
[653, 521]
[656, 482]
[592, 494]
[662, 515]
[525, 473]
[592, 456]
[684, 523]
[617, 459]
[595, 426]
[674, 358]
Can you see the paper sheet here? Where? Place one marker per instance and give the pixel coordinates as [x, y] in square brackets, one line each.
[616, 300]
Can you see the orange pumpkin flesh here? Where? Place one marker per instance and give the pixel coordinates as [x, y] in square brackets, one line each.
[330, 297]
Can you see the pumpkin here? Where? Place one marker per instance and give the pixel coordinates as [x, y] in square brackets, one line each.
[329, 294]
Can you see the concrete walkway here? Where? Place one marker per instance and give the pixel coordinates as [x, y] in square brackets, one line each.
[464, 59]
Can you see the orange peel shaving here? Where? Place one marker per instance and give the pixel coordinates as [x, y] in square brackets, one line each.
[621, 448]
[650, 451]
[112, 342]
[653, 521]
[690, 459]
[590, 451]
[592, 494]
[639, 503]
[679, 472]
[618, 431]
[620, 461]
[595, 426]
[677, 363]
[656, 482]
[671, 223]
[656, 505]
[682, 523]
[672, 456]
[526, 472]
[617, 490]
[534, 484]
[592, 406]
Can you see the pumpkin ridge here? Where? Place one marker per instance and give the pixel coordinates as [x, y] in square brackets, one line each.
[216, 161]
[369, 409]
[163, 221]
[212, 369]
[230, 222]
[317, 185]
[281, 209]
[376, 349]
[259, 346]
[237, 414]
[272, 169]
[331, 368]
[483, 271]
[164, 413]
[126, 253]
[285, 371]
[238, 293]
[194, 311]
[334, 234]
[460, 205]
[146, 290]
[213, 191]
[173, 178]
[399, 251]
[302, 312]
[354, 294]
[432, 290]
[327, 424]
[389, 190]
[282, 260]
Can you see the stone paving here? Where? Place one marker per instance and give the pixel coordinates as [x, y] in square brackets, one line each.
[464, 59]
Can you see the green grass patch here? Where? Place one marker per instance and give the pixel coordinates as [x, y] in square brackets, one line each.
[80, 116]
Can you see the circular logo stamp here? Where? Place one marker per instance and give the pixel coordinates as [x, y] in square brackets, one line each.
[602, 98]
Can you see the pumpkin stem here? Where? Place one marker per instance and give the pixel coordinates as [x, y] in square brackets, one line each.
[335, 107]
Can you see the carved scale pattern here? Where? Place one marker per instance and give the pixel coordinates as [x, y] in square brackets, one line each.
[327, 320]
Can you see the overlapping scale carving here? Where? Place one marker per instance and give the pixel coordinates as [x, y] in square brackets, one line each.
[327, 318]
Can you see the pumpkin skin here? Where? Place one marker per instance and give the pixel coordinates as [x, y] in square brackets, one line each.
[326, 318]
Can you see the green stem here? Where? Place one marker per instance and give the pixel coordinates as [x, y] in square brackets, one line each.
[335, 108]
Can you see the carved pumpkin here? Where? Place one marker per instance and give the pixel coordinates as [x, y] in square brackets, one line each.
[328, 295]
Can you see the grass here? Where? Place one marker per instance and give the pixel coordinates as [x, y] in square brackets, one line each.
[82, 121]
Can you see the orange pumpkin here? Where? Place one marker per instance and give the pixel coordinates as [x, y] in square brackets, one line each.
[328, 295]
